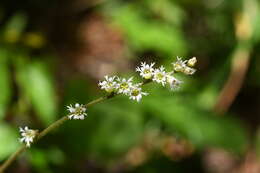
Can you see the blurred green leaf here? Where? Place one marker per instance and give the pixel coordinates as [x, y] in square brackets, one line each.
[255, 14]
[144, 34]
[8, 140]
[167, 10]
[5, 83]
[207, 98]
[37, 83]
[201, 127]
[42, 92]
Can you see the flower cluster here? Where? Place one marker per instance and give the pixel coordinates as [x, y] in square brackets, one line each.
[124, 86]
[28, 135]
[185, 66]
[77, 112]
[117, 85]
[160, 76]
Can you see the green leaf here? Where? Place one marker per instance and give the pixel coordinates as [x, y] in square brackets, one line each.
[256, 28]
[36, 81]
[9, 141]
[145, 34]
[201, 127]
[167, 10]
[5, 85]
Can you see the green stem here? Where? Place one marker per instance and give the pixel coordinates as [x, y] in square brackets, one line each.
[53, 126]
[50, 128]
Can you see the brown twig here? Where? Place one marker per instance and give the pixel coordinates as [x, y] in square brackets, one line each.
[235, 81]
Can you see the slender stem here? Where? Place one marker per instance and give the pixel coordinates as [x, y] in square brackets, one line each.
[12, 158]
[53, 126]
[101, 99]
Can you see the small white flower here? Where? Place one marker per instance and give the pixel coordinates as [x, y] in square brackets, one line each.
[189, 71]
[136, 92]
[146, 70]
[160, 76]
[109, 84]
[77, 112]
[179, 65]
[124, 85]
[192, 62]
[28, 135]
[173, 82]
[185, 66]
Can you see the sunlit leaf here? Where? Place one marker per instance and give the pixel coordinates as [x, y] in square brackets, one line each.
[142, 33]
[168, 10]
[36, 81]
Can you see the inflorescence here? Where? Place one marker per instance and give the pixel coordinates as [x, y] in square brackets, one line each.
[116, 85]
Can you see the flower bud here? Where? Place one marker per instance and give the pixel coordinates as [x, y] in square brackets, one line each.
[192, 62]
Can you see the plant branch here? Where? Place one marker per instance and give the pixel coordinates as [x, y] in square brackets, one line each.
[12, 158]
[50, 128]
[53, 126]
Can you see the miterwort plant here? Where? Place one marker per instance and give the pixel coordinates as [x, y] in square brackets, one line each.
[113, 85]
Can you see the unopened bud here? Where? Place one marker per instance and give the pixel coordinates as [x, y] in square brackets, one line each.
[192, 62]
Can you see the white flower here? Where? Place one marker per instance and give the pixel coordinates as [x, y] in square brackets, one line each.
[189, 71]
[185, 66]
[109, 84]
[160, 75]
[192, 62]
[173, 82]
[27, 135]
[77, 112]
[146, 70]
[124, 85]
[179, 65]
[136, 92]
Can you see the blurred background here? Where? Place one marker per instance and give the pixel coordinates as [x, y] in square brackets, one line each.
[53, 53]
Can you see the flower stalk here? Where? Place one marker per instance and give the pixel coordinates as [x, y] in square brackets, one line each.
[43, 133]
[113, 86]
